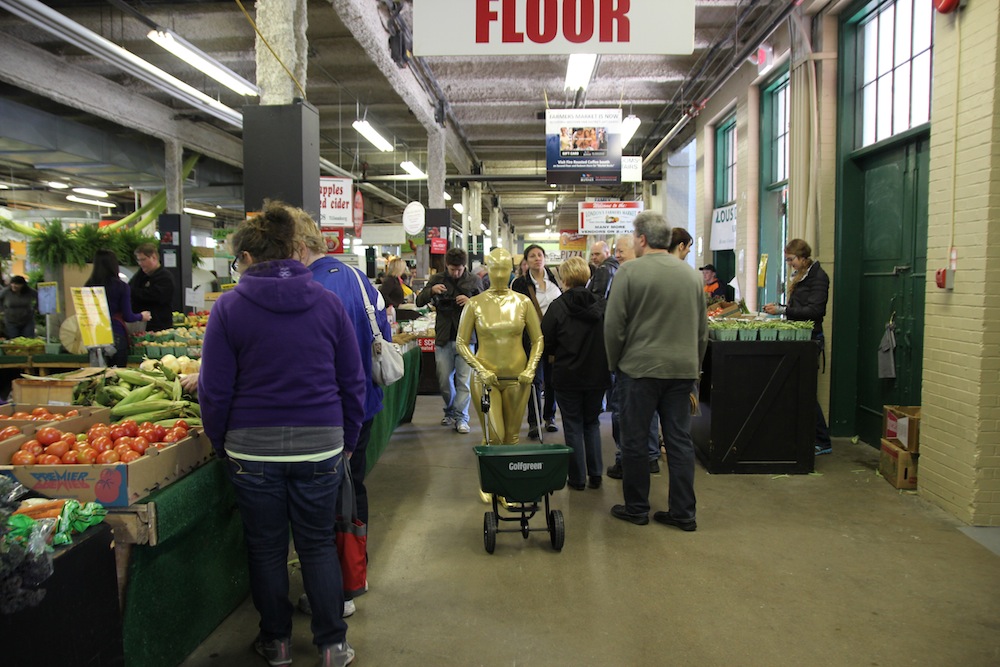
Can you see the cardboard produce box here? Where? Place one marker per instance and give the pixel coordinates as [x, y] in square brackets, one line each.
[901, 426]
[39, 391]
[112, 485]
[63, 425]
[898, 466]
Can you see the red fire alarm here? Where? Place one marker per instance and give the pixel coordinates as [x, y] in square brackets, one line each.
[947, 6]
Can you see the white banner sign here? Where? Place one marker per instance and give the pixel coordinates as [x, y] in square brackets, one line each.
[583, 146]
[335, 202]
[544, 27]
[608, 217]
[724, 228]
[631, 169]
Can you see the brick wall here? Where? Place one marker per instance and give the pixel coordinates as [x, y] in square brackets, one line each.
[960, 431]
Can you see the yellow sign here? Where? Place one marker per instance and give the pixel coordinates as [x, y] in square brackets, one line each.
[93, 316]
[762, 270]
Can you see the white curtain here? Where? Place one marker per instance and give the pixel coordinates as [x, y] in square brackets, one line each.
[804, 158]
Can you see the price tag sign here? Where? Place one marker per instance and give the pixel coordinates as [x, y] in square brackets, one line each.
[93, 316]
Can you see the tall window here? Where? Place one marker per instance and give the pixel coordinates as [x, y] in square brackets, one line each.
[725, 163]
[894, 70]
[779, 140]
[773, 215]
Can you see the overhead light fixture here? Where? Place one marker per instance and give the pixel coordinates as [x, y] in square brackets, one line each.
[629, 125]
[195, 57]
[580, 70]
[369, 133]
[553, 185]
[57, 185]
[90, 42]
[550, 206]
[4, 186]
[412, 169]
[198, 211]
[91, 202]
[458, 207]
[548, 221]
[447, 197]
[90, 192]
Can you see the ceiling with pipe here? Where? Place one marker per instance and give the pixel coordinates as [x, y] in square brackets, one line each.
[68, 114]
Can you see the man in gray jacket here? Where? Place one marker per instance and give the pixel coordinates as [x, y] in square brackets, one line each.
[656, 334]
[603, 270]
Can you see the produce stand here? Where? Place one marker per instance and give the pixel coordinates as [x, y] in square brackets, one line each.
[398, 402]
[13, 361]
[758, 407]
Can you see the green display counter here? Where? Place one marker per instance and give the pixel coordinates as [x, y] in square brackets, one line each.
[397, 406]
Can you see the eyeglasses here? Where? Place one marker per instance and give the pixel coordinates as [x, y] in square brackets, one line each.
[790, 259]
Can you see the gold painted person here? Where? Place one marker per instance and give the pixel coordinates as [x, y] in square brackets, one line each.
[499, 317]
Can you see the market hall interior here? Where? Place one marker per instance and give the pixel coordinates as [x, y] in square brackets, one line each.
[832, 568]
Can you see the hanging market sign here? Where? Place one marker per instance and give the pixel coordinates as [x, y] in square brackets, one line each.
[583, 146]
[545, 27]
[724, 228]
[335, 202]
[608, 217]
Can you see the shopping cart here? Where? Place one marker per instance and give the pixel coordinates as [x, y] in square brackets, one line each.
[518, 477]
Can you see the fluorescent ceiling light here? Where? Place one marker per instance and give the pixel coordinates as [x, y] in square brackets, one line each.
[458, 207]
[4, 186]
[90, 42]
[190, 54]
[198, 211]
[550, 206]
[369, 133]
[552, 185]
[412, 169]
[57, 185]
[91, 202]
[580, 70]
[629, 126]
[447, 197]
[548, 221]
[90, 192]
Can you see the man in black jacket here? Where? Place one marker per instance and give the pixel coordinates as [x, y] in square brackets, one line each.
[604, 268]
[448, 292]
[152, 288]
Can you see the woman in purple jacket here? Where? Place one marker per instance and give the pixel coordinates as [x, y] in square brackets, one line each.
[282, 398]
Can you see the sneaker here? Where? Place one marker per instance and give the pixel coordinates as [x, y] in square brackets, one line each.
[824, 449]
[306, 608]
[615, 471]
[687, 525]
[276, 651]
[594, 482]
[447, 421]
[654, 467]
[550, 426]
[533, 433]
[463, 427]
[336, 655]
[576, 486]
[620, 512]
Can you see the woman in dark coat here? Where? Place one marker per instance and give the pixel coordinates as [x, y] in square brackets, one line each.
[118, 295]
[808, 292]
[573, 329]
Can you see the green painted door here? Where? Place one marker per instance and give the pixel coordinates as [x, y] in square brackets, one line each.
[893, 262]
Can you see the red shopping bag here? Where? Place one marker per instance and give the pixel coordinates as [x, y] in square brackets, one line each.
[352, 540]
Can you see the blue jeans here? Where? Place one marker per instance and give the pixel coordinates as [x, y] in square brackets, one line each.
[641, 398]
[271, 495]
[453, 378]
[616, 429]
[14, 330]
[581, 418]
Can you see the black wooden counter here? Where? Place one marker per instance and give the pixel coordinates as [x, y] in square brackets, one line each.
[758, 405]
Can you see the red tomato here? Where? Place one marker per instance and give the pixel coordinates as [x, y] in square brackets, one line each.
[39, 411]
[4, 417]
[69, 438]
[181, 433]
[124, 440]
[21, 415]
[131, 428]
[158, 433]
[180, 423]
[109, 456]
[70, 457]
[22, 458]
[129, 456]
[140, 444]
[57, 418]
[147, 433]
[146, 425]
[46, 435]
[97, 427]
[118, 431]
[73, 413]
[32, 446]
[121, 449]
[48, 460]
[102, 444]
[10, 431]
[170, 437]
[57, 448]
[86, 456]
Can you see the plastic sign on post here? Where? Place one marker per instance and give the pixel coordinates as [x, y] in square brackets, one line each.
[545, 27]
[93, 316]
[48, 298]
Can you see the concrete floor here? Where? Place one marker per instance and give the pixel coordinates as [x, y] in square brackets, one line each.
[834, 568]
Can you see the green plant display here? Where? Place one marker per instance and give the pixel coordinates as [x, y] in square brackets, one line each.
[53, 245]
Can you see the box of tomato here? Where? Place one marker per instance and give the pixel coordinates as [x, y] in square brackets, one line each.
[122, 480]
[22, 414]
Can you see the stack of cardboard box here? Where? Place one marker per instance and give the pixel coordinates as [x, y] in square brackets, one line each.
[900, 445]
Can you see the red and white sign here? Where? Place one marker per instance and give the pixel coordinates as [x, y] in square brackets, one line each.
[335, 202]
[359, 212]
[544, 27]
[334, 240]
[608, 217]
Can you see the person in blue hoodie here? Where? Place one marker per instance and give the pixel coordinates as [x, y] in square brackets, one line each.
[573, 329]
[342, 280]
[282, 389]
